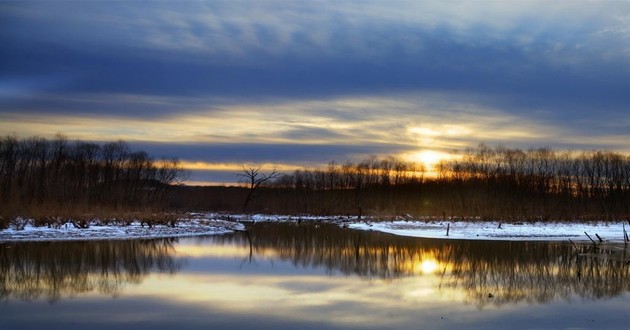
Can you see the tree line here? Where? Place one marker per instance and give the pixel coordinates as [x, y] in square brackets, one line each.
[56, 177]
[542, 182]
[499, 183]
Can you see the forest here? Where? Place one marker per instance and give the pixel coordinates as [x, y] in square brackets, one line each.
[484, 183]
[43, 179]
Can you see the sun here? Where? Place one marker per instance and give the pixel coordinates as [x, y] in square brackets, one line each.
[428, 158]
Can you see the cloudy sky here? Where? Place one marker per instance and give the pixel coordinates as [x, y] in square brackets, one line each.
[301, 83]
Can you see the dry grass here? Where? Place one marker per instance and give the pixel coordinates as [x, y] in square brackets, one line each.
[55, 216]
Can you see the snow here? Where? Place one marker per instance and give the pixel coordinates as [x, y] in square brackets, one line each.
[289, 218]
[184, 228]
[198, 224]
[479, 230]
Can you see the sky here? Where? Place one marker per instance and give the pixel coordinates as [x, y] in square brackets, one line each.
[291, 84]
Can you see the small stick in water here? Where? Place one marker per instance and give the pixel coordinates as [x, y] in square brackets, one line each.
[589, 237]
[599, 238]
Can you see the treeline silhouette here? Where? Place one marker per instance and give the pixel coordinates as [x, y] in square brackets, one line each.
[40, 177]
[488, 183]
[502, 182]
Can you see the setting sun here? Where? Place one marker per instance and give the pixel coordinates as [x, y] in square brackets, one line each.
[428, 158]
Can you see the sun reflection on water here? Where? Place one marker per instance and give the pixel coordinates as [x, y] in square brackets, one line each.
[317, 274]
[428, 266]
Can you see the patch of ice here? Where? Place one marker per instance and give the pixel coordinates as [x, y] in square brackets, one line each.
[538, 231]
[215, 223]
[135, 230]
[285, 218]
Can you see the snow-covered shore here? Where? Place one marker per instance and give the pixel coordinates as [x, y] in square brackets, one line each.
[135, 230]
[199, 224]
[196, 224]
[480, 230]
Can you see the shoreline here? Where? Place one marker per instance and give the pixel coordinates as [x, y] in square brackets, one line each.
[133, 230]
[610, 232]
[201, 224]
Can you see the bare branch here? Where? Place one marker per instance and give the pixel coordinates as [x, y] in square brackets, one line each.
[253, 176]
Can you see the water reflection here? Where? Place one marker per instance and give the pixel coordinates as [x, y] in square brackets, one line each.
[486, 272]
[481, 272]
[52, 270]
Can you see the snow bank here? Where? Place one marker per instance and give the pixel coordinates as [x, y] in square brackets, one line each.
[538, 231]
[197, 225]
[184, 228]
[288, 218]
[214, 223]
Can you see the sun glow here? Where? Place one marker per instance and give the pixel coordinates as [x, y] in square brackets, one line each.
[428, 266]
[235, 167]
[428, 158]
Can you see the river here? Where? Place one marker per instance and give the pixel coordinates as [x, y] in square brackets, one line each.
[312, 276]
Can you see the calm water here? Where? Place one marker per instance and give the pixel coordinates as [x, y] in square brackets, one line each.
[283, 276]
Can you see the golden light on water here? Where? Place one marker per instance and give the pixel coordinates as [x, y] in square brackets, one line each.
[271, 295]
[202, 251]
[222, 251]
[428, 266]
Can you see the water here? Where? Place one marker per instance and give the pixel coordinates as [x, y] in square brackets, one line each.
[283, 276]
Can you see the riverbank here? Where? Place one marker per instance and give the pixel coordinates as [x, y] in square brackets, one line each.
[132, 230]
[493, 230]
[200, 224]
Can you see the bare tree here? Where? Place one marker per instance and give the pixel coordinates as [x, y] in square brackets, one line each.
[40, 176]
[254, 178]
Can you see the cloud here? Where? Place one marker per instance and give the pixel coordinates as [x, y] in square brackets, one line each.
[218, 154]
[337, 79]
[275, 27]
[127, 60]
[414, 120]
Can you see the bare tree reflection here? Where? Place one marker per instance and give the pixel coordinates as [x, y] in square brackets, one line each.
[53, 270]
[487, 272]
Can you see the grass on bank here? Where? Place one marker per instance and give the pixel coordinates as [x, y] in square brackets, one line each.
[82, 220]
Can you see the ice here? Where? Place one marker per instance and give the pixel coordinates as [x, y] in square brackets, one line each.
[135, 230]
[218, 223]
[480, 230]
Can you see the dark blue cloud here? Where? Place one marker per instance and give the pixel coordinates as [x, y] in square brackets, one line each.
[522, 78]
[278, 154]
[565, 69]
[307, 133]
[560, 91]
[266, 153]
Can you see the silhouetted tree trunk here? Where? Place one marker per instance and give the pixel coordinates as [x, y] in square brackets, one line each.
[254, 179]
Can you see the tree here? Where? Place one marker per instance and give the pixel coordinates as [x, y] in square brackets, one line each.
[253, 177]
